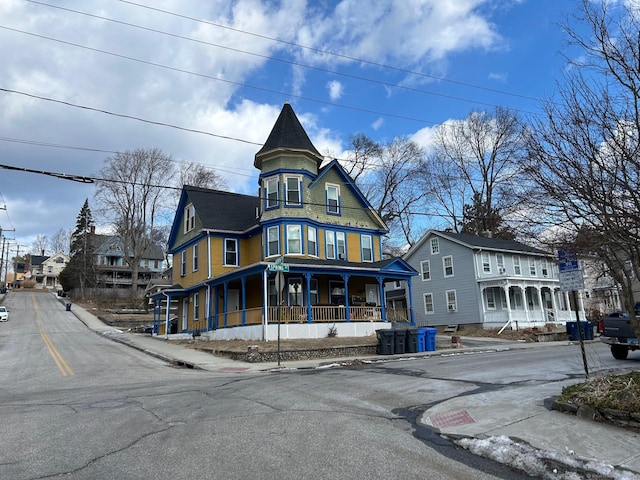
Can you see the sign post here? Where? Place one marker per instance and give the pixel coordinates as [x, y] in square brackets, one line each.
[279, 267]
[572, 279]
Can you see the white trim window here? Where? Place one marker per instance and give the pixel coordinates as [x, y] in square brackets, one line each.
[447, 266]
[544, 268]
[491, 299]
[183, 263]
[428, 304]
[293, 193]
[330, 244]
[486, 262]
[425, 270]
[189, 218]
[294, 239]
[532, 267]
[273, 241]
[333, 198]
[341, 245]
[194, 258]
[295, 291]
[435, 246]
[196, 306]
[452, 302]
[271, 192]
[231, 252]
[517, 270]
[500, 263]
[312, 241]
[366, 245]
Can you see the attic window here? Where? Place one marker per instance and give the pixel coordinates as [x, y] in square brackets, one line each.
[189, 218]
[333, 199]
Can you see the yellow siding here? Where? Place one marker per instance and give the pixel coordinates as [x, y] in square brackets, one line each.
[251, 250]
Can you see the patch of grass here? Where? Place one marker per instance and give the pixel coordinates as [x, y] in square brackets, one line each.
[619, 392]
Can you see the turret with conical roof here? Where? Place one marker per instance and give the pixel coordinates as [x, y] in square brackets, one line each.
[287, 137]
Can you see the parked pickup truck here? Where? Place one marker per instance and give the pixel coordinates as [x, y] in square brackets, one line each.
[616, 331]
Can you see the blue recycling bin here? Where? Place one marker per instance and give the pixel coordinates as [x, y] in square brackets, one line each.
[586, 328]
[430, 339]
[422, 340]
[68, 307]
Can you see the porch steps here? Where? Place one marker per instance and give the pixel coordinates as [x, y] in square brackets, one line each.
[450, 329]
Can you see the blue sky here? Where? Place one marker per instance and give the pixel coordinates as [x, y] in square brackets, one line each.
[382, 68]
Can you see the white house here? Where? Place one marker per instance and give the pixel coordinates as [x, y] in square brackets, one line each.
[485, 282]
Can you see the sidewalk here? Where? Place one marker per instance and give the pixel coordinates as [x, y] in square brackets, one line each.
[472, 420]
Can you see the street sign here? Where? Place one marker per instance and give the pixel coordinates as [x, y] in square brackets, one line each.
[275, 267]
[568, 261]
[571, 280]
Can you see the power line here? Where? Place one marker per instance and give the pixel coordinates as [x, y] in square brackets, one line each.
[327, 52]
[290, 62]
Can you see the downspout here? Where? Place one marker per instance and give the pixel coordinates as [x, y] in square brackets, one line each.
[410, 304]
[167, 320]
[208, 254]
[265, 303]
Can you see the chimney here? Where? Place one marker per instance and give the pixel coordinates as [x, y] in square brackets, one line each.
[42, 252]
[93, 229]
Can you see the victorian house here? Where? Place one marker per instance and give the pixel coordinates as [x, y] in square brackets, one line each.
[303, 258]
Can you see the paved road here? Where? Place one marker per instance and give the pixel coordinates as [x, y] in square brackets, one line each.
[77, 404]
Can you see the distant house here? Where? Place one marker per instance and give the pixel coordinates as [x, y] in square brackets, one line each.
[112, 269]
[51, 268]
[306, 252]
[485, 282]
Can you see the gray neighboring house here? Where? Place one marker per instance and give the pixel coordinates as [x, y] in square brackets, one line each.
[485, 282]
[114, 272]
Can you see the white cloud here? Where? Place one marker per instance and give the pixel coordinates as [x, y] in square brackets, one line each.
[335, 89]
[378, 123]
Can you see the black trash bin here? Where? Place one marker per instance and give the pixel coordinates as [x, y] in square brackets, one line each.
[400, 340]
[385, 342]
[174, 326]
[412, 341]
[68, 307]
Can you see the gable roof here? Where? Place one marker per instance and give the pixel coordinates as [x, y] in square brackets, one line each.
[224, 211]
[287, 134]
[476, 242]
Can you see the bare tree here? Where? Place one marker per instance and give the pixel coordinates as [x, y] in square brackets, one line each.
[132, 195]
[473, 163]
[61, 241]
[585, 152]
[199, 175]
[40, 245]
[386, 176]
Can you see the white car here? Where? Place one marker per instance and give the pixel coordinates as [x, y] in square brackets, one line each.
[4, 314]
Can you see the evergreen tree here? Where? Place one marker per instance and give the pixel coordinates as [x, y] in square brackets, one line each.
[479, 218]
[80, 271]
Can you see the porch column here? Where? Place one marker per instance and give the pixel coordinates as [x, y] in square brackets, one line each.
[209, 306]
[307, 277]
[224, 304]
[244, 300]
[217, 308]
[506, 289]
[383, 308]
[526, 303]
[542, 309]
[345, 278]
[410, 302]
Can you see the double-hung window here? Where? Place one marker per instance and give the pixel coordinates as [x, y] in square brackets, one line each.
[333, 199]
[273, 241]
[366, 244]
[330, 244]
[194, 259]
[428, 303]
[452, 302]
[312, 242]
[532, 267]
[425, 270]
[271, 188]
[189, 218]
[435, 246]
[341, 246]
[196, 306]
[294, 239]
[293, 191]
[486, 262]
[183, 263]
[517, 270]
[447, 266]
[231, 252]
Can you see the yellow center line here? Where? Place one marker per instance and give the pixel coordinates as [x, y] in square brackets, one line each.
[63, 366]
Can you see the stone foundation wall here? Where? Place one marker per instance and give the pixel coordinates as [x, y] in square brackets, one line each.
[256, 356]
